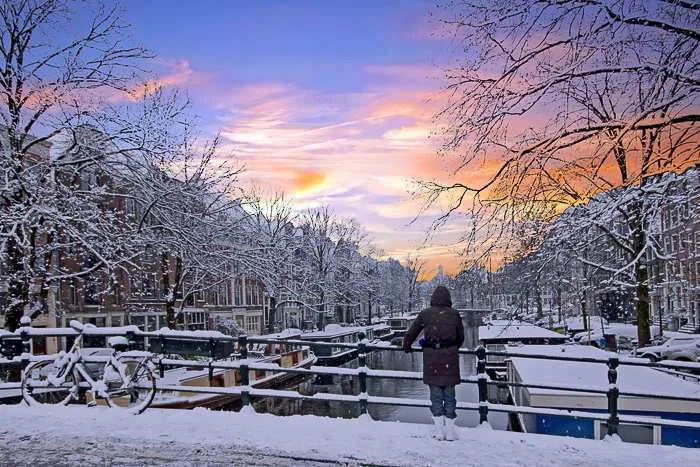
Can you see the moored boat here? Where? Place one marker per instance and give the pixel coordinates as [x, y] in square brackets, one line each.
[284, 355]
[334, 333]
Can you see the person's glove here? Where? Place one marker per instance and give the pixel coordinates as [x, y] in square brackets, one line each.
[421, 342]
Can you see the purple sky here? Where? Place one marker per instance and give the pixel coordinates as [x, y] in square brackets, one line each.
[330, 101]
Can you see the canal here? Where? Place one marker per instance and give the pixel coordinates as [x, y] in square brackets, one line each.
[409, 389]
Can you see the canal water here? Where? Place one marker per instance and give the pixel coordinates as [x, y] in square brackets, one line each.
[409, 389]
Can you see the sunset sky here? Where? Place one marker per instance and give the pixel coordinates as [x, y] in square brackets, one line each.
[329, 101]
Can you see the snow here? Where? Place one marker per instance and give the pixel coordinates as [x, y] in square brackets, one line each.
[192, 334]
[100, 436]
[516, 330]
[290, 332]
[634, 379]
[334, 330]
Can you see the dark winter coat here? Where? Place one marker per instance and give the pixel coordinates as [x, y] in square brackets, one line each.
[442, 327]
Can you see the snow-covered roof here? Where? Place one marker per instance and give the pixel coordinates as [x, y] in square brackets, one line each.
[619, 329]
[516, 330]
[576, 322]
[634, 379]
[332, 331]
[284, 334]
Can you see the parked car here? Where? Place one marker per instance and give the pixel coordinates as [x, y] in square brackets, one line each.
[677, 348]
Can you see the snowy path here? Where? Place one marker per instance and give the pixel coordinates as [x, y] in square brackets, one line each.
[100, 436]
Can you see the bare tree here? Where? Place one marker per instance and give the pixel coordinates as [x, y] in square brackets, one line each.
[573, 98]
[329, 250]
[55, 88]
[272, 226]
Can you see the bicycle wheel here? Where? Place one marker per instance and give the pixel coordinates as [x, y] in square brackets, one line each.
[133, 391]
[44, 383]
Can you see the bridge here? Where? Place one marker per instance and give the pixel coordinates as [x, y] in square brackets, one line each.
[285, 429]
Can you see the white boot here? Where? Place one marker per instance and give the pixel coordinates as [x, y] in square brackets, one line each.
[450, 432]
[439, 428]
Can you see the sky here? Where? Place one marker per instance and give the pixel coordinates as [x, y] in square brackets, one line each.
[331, 102]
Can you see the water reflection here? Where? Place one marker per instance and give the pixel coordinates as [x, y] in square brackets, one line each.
[408, 389]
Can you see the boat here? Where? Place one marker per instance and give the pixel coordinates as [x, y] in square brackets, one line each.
[335, 356]
[643, 410]
[382, 332]
[499, 333]
[284, 355]
[399, 326]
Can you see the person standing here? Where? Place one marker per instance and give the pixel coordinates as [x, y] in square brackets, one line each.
[443, 334]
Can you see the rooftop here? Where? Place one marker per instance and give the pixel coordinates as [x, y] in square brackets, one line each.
[516, 330]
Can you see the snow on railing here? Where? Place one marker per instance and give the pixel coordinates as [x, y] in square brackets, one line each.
[244, 366]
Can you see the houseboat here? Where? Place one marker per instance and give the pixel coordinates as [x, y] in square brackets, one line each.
[399, 325]
[284, 355]
[632, 379]
[382, 332]
[334, 356]
[497, 334]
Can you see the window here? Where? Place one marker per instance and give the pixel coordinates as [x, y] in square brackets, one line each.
[129, 207]
[251, 323]
[248, 296]
[149, 286]
[92, 293]
[237, 292]
[135, 287]
[73, 292]
[151, 323]
[88, 181]
[139, 321]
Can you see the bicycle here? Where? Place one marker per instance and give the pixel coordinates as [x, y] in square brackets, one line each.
[126, 381]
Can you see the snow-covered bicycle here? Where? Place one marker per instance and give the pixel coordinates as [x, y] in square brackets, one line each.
[118, 379]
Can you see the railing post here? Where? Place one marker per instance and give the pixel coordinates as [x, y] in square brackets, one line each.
[131, 339]
[212, 354]
[613, 394]
[26, 345]
[362, 369]
[481, 383]
[245, 376]
[26, 340]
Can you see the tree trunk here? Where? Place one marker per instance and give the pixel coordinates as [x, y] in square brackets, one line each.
[17, 292]
[272, 315]
[641, 274]
[584, 314]
[538, 297]
[559, 303]
[170, 287]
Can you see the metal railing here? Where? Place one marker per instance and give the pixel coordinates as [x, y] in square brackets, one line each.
[246, 392]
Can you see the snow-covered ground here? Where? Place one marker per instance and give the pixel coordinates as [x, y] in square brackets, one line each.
[101, 436]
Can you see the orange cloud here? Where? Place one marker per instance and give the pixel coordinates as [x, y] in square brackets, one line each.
[180, 74]
[307, 180]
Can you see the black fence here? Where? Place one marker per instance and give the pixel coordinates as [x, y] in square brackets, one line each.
[215, 348]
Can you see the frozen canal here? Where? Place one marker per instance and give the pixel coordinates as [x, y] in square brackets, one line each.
[409, 389]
